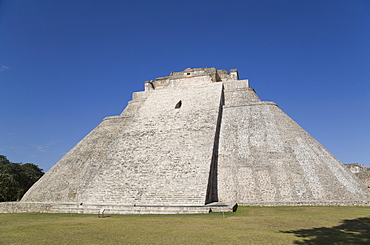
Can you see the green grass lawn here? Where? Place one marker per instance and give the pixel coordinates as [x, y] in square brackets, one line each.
[249, 225]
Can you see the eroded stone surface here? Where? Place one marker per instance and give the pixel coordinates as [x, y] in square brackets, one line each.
[198, 136]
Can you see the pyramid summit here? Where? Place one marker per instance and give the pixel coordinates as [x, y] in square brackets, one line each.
[195, 138]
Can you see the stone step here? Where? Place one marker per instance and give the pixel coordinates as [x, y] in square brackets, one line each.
[86, 208]
[141, 209]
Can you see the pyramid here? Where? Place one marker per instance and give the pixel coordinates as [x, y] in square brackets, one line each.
[197, 137]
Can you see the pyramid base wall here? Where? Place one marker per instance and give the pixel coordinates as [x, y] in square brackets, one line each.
[349, 203]
[41, 207]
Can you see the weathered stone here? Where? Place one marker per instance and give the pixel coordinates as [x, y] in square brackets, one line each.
[196, 137]
[362, 172]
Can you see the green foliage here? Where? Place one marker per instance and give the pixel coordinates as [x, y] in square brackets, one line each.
[16, 179]
[3, 160]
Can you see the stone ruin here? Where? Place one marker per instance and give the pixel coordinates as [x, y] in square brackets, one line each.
[362, 172]
[199, 139]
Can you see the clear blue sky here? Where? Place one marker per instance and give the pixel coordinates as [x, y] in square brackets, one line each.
[65, 65]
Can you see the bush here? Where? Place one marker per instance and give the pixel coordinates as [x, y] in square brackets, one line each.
[16, 179]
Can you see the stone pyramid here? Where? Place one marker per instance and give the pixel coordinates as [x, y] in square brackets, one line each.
[196, 137]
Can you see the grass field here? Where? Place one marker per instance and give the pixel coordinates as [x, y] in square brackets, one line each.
[249, 225]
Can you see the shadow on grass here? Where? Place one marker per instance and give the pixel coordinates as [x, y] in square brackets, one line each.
[356, 231]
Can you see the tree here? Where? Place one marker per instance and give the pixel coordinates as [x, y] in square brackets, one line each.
[3, 160]
[16, 178]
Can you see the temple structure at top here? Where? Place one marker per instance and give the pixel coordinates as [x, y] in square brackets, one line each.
[193, 75]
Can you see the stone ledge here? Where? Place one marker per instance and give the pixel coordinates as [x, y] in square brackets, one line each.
[363, 202]
[117, 117]
[24, 207]
[222, 206]
[252, 104]
[238, 89]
